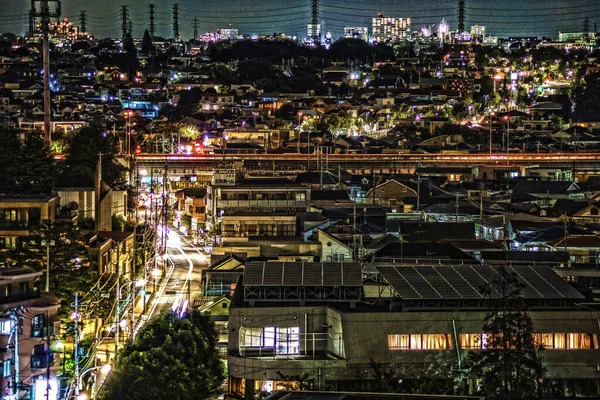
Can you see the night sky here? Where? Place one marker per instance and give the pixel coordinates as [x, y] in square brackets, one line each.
[502, 18]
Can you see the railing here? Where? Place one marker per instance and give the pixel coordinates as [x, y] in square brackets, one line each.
[261, 203]
[310, 346]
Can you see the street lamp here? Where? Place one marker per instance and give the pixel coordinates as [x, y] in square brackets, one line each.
[128, 115]
[506, 117]
[491, 117]
[104, 369]
[48, 243]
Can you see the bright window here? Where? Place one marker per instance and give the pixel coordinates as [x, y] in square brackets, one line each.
[5, 327]
[563, 341]
[284, 340]
[418, 341]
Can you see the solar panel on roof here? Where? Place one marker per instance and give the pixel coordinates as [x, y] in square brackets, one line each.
[332, 274]
[534, 286]
[466, 289]
[292, 274]
[313, 274]
[558, 283]
[412, 275]
[352, 274]
[253, 273]
[273, 274]
[401, 285]
[440, 284]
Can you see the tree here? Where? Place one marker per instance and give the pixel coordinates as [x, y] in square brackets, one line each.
[171, 358]
[84, 145]
[510, 366]
[27, 168]
[147, 45]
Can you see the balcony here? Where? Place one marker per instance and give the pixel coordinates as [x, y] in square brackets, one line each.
[261, 203]
[14, 225]
[28, 295]
[307, 346]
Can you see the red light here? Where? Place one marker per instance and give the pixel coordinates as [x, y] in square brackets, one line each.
[138, 149]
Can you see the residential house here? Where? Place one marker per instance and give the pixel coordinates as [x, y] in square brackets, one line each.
[257, 207]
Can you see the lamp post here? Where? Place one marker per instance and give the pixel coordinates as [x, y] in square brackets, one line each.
[48, 243]
[128, 115]
[104, 369]
[491, 117]
[506, 117]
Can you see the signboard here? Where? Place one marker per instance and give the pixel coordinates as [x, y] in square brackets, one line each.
[194, 224]
[41, 389]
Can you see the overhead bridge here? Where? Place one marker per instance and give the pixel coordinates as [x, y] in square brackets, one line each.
[280, 163]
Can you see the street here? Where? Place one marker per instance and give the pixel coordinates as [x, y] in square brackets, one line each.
[182, 285]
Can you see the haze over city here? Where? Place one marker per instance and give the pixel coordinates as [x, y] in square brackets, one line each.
[503, 18]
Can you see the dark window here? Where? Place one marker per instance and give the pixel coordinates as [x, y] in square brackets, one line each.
[593, 211]
[39, 358]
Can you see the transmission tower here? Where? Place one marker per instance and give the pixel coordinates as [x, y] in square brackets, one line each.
[195, 28]
[45, 14]
[83, 21]
[130, 27]
[586, 26]
[31, 18]
[461, 16]
[151, 20]
[176, 22]
[124, 20]
[314, 21]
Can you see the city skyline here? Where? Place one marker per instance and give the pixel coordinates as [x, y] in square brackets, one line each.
[540, 18]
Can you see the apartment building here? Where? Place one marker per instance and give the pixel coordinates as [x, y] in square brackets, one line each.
[390, 29]
[37, 316]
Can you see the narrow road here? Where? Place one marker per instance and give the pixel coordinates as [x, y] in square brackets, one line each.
[182, 286]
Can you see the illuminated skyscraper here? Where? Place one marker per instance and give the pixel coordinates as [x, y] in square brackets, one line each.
[390, 29]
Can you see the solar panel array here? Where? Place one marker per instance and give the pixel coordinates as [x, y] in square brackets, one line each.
[302, 274]
[469, 282]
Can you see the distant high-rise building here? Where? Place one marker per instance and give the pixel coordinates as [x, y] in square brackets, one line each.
[356, 32]
[477, 31]
[390, 29]
[443, 30]
[314, 32]
[228, 33]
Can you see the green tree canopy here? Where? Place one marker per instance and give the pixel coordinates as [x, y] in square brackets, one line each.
[510, 366]
[171, 358]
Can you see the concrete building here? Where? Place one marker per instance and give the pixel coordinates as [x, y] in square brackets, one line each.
[38, 321]
[256, 207]
[390, 29]
[18, 215]
[330, 322]
[356, 32]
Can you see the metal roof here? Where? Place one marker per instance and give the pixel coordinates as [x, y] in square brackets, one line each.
[302, 274]
[468, 282]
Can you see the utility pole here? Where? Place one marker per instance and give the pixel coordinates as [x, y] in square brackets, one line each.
[175, 16]
[461, 16]
[31, 19]
[13, 314]
[195, 28]
[124, 19]
[76, 339]
[586, 27]
[151, 20]
[45, 14]
[82, 21]
[491, 117]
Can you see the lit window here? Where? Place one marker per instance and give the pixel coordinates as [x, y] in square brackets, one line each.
[5, 327]
[431, 341]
